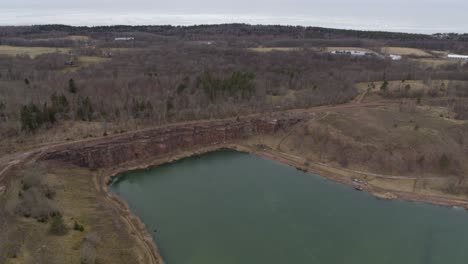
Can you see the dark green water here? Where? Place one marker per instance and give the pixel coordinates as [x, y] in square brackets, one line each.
[228, 207]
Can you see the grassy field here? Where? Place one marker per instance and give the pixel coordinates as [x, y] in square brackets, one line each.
[79, 201]
[382, 140]
[30, 51]
[270, 49]
[392, 86]
[330, 49]
[405, 51]
[85, 61]
[436, 62]
[275, 99]
[73, 37]
[416, 85]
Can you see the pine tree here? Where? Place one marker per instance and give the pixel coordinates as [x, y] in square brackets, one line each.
[72, 86]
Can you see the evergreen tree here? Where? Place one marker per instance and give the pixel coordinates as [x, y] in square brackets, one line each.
[60, 104]
[31, 117]
[72, 86]
[84, 109]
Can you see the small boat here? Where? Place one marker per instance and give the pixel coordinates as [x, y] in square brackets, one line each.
[358, 188]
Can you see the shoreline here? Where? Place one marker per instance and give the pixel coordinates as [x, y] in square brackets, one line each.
[137, 227]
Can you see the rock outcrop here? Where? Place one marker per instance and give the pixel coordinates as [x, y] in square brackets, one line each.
[115, 150]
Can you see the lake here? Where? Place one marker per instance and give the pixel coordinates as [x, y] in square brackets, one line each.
[228, 207]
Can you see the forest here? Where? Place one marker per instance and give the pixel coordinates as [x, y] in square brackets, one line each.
[171, 74]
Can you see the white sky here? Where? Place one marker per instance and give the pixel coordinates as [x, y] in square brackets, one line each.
[425, 16]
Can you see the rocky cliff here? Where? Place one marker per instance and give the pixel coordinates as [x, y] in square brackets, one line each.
[115, 150]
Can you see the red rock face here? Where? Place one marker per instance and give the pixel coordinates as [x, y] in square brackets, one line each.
[119, 149]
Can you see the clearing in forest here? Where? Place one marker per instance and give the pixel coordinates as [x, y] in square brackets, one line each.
[405, 51]
[30, 51]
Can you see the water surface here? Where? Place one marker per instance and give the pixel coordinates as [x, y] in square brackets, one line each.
[228, 207]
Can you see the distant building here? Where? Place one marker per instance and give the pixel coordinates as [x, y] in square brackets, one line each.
[124, 39]
[395, 57]
[355, 53]
[457, 57]
[70, 62]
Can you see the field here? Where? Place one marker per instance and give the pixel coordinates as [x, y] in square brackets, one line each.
[85, 61]
[330, 49]
[270, 49]
[79, 200]
[393, 86]
[383, 140]
[72, 37]
[415, 85]
[435, 62]
[30, 51]
[405, 51]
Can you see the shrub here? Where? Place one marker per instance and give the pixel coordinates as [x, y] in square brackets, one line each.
[88, 249]
[444, 162]
[384, 86]
[58, 227]
[78, 227]
[34, 204]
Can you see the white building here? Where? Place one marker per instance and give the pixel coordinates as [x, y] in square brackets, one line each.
[353, 52]
[457, 57]
[395, 57]
[124, 39]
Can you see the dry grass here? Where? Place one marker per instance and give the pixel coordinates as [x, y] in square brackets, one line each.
[439, 53]
[92, 59]
[381, 140]
[330, 49]
[405, 51]
[277, 99]
[436, 62]
[73, 37]
[79, 200]
[30, 51]
[416, 85]
[271, 49]
[85, 61]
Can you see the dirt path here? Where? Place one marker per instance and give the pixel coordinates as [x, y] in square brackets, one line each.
[383, 176]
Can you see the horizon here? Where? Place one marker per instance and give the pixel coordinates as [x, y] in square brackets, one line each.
[426, 17]
[220, 24]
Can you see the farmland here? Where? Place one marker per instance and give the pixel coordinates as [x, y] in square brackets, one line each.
[30, 51]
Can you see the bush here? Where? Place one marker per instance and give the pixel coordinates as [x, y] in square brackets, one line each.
[88, 254]
[34, 204]
[78, 227]
[444, 162]
[58, 227]
[34, 195]
[88, 249]
[33, 175]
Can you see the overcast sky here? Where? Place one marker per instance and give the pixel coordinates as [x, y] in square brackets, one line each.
[424, 16]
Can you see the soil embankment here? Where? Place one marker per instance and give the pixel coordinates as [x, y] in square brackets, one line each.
[113, 151]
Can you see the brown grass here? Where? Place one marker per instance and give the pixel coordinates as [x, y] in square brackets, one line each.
[416, 85]
[79, 200]
[73, 37]
[436, 62]
[270, 49]
[405, 51]
[330, 49]
[30, 51]
[85, 61]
